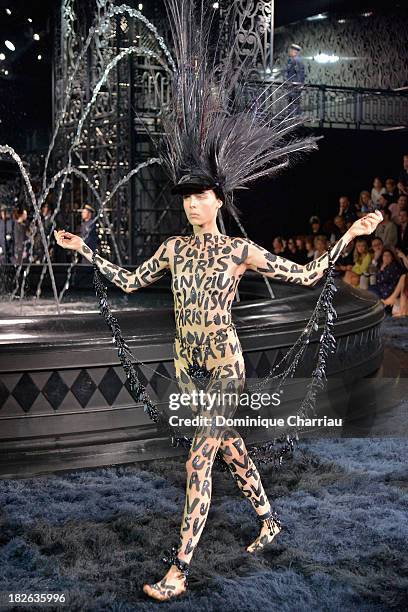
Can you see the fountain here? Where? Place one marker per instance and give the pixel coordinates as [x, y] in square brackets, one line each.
[64, 398]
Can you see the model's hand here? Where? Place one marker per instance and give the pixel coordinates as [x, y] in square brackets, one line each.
[66, 240]
[367, 224]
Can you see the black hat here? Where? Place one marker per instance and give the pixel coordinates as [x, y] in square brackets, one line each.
[193, 182]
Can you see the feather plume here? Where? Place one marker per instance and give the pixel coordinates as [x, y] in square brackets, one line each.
[213, 127]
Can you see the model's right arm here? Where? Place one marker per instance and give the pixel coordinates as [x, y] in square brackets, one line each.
[147, 273]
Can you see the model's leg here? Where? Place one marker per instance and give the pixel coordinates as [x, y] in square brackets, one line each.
[248, 479]
[197, 502]
[404, 298]
[399, 290]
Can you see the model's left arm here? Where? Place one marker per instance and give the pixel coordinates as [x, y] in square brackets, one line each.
[260, 260]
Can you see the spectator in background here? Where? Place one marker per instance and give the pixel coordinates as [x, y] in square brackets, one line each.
[279, 248]
[309, 246]
[361, 259]
[320, 245]
[294, 75]
[402, 231]
[345, 260]
[384, 203]
[301, 247]
[293, 252]
[295, 69]
[346, 211]
[395, 207]
[316, 226]
[377, 190]
[391, 191]
[364, 204]
[20, 235]
[6, 235]
[388, 274]
[387, 230]
[403, 176]
[398, 299]
[88, 229]
[339, 229]
[377, 247]
[38, 248]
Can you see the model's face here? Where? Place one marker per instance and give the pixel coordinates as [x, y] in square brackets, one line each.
[201, 208]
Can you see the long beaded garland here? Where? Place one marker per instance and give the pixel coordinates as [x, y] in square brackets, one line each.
[264, 452]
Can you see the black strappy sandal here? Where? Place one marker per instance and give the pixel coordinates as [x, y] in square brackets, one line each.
[164, 590]
[275, 527]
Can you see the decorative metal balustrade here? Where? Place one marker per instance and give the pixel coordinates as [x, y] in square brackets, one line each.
[338, 107]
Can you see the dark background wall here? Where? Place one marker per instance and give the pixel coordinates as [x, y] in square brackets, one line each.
[345, 164]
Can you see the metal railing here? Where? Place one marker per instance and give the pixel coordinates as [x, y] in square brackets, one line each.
[339, 107]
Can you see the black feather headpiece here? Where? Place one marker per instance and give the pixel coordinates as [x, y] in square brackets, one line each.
[215, 135]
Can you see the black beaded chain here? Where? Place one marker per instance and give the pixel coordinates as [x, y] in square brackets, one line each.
[261, 453]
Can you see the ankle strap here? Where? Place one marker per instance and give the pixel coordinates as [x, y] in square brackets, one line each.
[271, 514]
[172, 559]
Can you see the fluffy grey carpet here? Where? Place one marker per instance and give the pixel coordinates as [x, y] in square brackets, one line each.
[99, 534]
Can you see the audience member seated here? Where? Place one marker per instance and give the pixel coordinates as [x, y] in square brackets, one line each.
[294, 254]
[346, 211]
[364, 204]
[339, 228]
[387, 230]
[402, 231]
[395, 207]
[376, 250]
[388, 274]
[377, 190]
[279, 247]
[384, 202]
[398, 299]
[361, 259]
[309, 246]
[321, 244]
[403, 176]
[316, 226]
[391, 190]
[345, 260]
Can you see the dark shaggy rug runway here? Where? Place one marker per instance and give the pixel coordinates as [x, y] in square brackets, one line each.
[99, 534]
